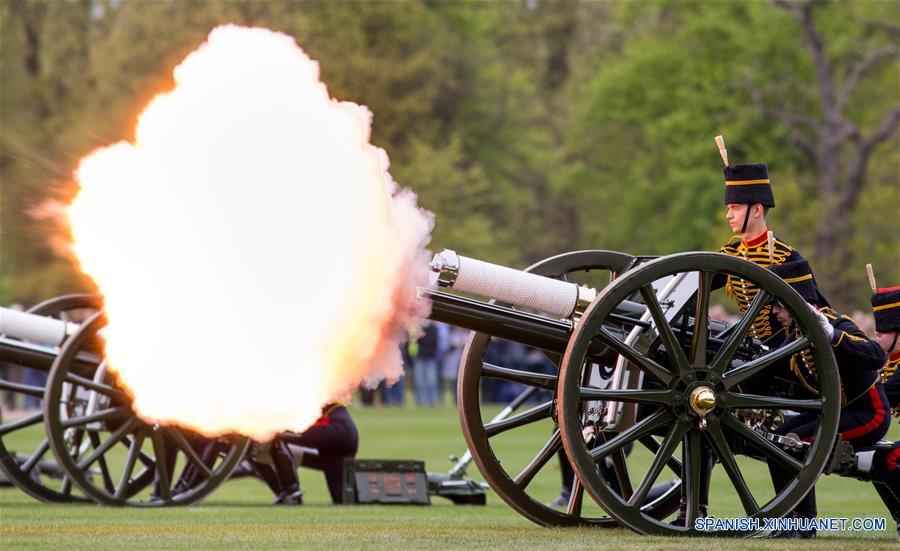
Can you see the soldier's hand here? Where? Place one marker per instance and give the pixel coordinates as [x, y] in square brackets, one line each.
[823, 321]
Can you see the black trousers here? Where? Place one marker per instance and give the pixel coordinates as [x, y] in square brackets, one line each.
[862, 423]
[336, 438]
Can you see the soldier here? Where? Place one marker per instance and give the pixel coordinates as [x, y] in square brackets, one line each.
[333, 438]
[748, 198]
[864, 418]
[886, 309]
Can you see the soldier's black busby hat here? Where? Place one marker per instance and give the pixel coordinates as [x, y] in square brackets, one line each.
[799, 276]
[748, 184]
[886, 309]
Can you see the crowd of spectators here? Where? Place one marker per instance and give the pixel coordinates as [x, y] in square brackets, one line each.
[431, 366]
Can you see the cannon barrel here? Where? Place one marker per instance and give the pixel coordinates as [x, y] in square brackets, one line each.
[499, 321]
[32, 340]
[551, 297]
[559, 304]
[559, 299]
[35, 328]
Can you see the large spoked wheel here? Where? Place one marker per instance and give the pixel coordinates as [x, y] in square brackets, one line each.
[693, 395]
[113, 456]
[516, 485]
[25, 465]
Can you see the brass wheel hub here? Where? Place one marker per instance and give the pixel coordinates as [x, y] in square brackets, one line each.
[702, 400]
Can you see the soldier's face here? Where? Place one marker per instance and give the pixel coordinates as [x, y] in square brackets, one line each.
[781, 313]
[735, 215]
[886, 340]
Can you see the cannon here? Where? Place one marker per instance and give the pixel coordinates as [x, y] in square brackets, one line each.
[640, 365]
[101, 447]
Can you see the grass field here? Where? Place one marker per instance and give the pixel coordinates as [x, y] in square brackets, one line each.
[238, 514]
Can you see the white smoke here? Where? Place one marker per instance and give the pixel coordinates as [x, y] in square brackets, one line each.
[256, 257]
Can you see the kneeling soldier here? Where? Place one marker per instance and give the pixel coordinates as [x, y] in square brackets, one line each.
[886, 309]
[333, 437]
[864, 418]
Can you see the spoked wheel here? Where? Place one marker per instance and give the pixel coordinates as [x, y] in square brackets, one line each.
[516, 486]
[25, 465]
[693, 395]
[113, 456]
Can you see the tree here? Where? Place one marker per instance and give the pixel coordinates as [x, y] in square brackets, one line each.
[839, 147]
[641, 155]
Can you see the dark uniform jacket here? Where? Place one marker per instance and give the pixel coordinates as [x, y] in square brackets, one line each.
[890, 376]
[765, 327]
[859, 360]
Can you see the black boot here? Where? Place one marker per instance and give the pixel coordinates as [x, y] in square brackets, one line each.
[681, 519]
[286, 472]
[289, 496]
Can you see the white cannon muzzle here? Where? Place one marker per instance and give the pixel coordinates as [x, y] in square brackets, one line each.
[34, 328]
[559, 299]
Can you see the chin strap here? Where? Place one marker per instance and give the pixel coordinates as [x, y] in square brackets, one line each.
[746, 218]
[894, 344]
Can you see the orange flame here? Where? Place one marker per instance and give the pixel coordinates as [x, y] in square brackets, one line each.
[257, 259]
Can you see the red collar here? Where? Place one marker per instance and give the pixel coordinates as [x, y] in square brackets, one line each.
[758, 240]
[888, 289]
[894, 356]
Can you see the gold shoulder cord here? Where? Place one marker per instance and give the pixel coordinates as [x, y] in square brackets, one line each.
[888, 370]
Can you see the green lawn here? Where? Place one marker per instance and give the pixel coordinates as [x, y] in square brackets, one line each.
[238, 514]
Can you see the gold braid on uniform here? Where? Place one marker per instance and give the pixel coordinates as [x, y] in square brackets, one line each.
[756, 251]
[889, 368]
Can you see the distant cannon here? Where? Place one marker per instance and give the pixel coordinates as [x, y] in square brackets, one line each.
[89, 423]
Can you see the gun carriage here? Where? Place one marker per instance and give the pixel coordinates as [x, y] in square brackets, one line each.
[640, 363]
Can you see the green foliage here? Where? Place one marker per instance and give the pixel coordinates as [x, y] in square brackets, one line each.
[529, 128]
[642, 129]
